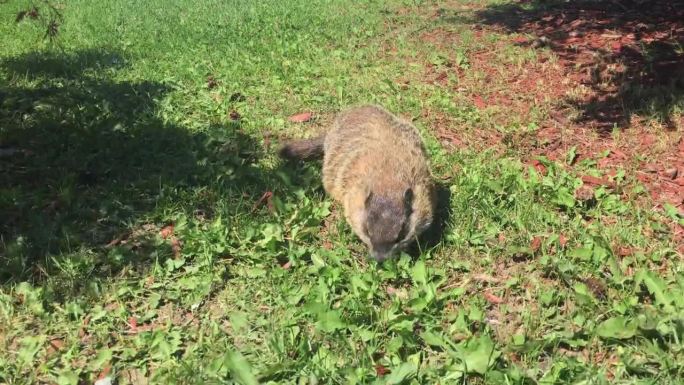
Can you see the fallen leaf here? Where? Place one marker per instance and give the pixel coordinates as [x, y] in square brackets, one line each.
[520, 40]
[287, 265]
[133, 324]
[55, 345]
[115, 241]
[624, 251]
[616, 46]
[592, 180]
[300, 118]
[618, 154]
[562, 240]
[538, 166]
[175, 247]
[167, 231]
[381, 370]
[536, 243]
[265, 197]
[105, 372]
[491, 298]
[479, 102]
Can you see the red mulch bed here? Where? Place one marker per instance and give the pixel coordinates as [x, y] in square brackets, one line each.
[625, 57]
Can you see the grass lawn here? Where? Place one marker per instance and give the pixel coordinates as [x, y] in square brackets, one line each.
[148, 233]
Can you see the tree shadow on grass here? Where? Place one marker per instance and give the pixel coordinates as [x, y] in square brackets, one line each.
[630, 54]
[82, 159]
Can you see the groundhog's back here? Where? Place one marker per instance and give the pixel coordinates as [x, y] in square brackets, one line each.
[369, 145]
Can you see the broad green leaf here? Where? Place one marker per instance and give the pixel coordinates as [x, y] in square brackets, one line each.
[617, 327]
[673, 213]
[572, 155]
[402, 373]
[419, 273]
[582, 253]
[67, 377]
[317, 260]
[564, 198]
[433, 339]
[657, 287]
[31, 297]
[238, 321]
[418, 304]
[330, 321]
[240, 368]
[103, 357]
[583, 293]
[29, 347]
[478, 354]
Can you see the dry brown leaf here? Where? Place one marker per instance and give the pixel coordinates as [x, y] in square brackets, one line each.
[491, 298]
[167, 231]
[536, 243]
[301, 117]
[381, 370]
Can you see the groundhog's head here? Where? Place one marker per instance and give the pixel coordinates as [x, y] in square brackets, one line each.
[388, 222]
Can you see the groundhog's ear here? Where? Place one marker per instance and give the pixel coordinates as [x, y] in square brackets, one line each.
[369, 197]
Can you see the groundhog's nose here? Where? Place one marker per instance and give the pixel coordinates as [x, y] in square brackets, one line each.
[380, 255]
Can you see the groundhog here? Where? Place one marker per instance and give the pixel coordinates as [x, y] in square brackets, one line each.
[375, 165]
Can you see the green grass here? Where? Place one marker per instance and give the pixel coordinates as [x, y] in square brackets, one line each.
[118, 135]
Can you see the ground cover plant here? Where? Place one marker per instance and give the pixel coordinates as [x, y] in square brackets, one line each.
[148, 233]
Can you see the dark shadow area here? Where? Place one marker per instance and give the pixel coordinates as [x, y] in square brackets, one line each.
[53, 65]
[81, 159]
[630, 54]
[435, 233]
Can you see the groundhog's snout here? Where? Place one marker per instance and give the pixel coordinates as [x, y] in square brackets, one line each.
[382, 253]
[380, 256]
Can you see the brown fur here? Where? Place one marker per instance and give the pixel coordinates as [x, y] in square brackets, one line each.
[375, 164]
